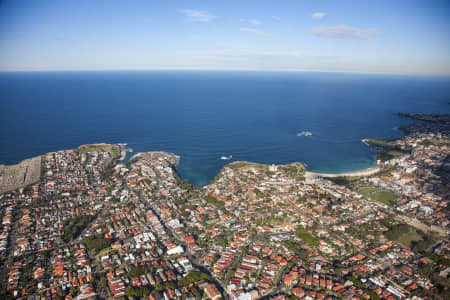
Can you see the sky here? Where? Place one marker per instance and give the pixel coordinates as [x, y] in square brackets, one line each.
[396, 37]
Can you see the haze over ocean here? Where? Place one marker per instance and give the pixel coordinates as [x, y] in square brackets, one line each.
[203, 115]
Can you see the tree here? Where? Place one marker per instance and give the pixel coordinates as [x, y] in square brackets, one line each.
[193, 277]
[138, 292]
[73, 227]
[97, 242]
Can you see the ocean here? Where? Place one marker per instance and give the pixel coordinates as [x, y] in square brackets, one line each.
[204, 115]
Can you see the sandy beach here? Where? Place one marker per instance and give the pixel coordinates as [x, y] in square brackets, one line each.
[366, 172]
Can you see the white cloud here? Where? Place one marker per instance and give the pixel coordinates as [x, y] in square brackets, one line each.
[277, 18]
[251, 21]
[255, 32]
[198, 15]
[342, 32]
[318, 15]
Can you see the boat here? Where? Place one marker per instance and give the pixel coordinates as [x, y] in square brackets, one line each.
[226, 157]
[304, 133]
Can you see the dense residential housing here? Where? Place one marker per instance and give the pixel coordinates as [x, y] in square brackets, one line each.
[98, 227]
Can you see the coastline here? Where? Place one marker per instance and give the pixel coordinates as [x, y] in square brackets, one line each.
[360, 173]
[120, 150]
[429, 121]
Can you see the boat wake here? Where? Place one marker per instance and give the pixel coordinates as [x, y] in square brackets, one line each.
[304, 133]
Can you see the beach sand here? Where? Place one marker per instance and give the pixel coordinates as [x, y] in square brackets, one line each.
[366, 172]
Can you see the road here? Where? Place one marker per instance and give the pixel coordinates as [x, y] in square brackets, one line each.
[194, 258]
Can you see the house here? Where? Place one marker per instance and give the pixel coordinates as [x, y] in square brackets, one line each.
[298, 292]
[211, 291]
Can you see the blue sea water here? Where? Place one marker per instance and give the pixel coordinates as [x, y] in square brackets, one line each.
[203, 115]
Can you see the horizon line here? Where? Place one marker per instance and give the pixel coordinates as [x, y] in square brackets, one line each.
[226, 69]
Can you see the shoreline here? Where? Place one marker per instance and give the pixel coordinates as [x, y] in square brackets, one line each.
[309, 175]
[360, 173]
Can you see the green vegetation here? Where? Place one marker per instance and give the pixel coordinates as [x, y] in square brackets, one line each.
[435, 142]
[438, 259]
[132, 161]
[138, 271]
[403, 234]
[296, 248]
[193, 277]
[275, 220]
[426, 241]
[113, 149]
[306, 237]
[97, 242]
[73, 227]
[138, 292]
[410, 237]
[109, 169]
[378, 194]
[214, 201]
[295, 170]
[344, 180]
[144, 291]
[386, 171]
[258, 193]
[165, 286]
[426, 143]
[105, 250]
[29, 188]
[441, 283]
[386, 150]
[74, 291]
[379, 143]
[236, 165]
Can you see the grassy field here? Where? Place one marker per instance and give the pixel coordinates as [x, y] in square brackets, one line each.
[306, 237]
[344, 180]
[410, 237]
[105, 250]
[113, 149]
[295, 170]
[244, 165]
[378, 194]
[407, 238]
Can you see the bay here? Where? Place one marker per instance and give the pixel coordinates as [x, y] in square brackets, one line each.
[203, 115]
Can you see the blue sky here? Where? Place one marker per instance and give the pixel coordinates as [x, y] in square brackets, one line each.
[401, 36]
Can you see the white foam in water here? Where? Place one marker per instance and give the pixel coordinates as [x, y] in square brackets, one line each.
[304, 133]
